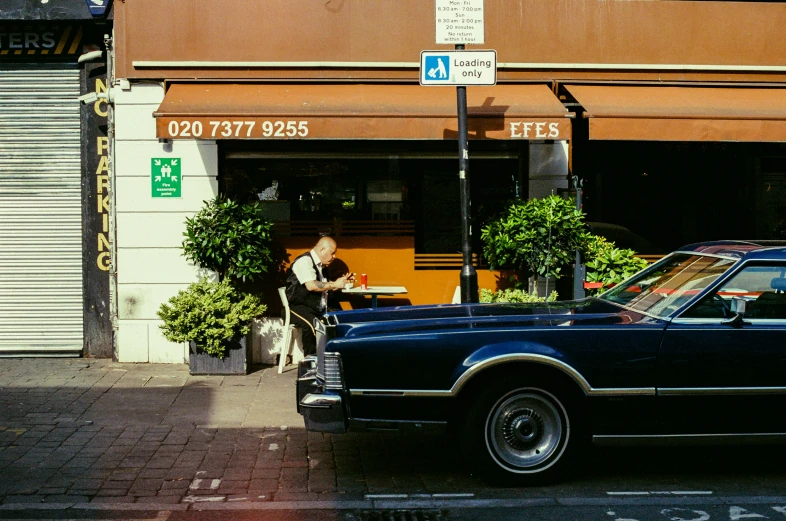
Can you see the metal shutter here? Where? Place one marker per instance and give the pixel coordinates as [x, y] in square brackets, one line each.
[40, 211]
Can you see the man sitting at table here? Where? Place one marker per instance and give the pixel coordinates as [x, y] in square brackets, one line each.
[308, 287]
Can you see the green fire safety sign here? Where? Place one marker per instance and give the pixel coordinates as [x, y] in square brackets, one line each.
[165, 176]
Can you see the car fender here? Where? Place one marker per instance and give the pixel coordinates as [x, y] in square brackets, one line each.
[496, 355]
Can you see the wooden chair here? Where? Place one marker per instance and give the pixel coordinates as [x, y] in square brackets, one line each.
[291, 336]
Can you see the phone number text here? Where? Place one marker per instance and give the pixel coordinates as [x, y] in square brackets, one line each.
[238, 129]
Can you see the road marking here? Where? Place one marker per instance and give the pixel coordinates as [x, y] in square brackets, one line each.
[661, 493]
[203, 499]
[459, 495]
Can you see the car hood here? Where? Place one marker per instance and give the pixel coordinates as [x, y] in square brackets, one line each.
[403, 319]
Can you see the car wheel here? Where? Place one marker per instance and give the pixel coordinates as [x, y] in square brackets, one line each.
[518, 434]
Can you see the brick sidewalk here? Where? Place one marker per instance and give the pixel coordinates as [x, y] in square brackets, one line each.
[90, 430]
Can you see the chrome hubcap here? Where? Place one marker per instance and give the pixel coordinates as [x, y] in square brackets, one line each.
[525, 430]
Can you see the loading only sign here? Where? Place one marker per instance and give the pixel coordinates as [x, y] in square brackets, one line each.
[458, 68]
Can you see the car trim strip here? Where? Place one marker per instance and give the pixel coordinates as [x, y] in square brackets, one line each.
[673, 391]
[515, 357]
[686, 439]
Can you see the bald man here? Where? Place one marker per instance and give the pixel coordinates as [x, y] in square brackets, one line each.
[308, 287]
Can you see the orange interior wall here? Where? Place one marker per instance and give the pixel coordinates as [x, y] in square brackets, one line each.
[390, 261]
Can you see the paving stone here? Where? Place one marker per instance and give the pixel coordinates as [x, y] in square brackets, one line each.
[161, 462]
[237, 474]
[124, 475]
[101, 497]
[263, 473]
[263, 484]
[146, 485]
[293, 495]
[232, 487]
[153, 473]
[111, 492]
[23, 499]
[175, 484]
[52, 490]
[117, 485]
[162, 499]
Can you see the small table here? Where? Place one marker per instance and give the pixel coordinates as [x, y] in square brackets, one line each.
[375, 291]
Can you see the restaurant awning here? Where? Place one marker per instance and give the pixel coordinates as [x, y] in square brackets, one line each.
[683, 113]
[353, 111]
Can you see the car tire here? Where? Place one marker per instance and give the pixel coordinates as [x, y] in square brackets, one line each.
[518, 433]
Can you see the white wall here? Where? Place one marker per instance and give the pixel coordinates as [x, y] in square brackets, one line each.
[150, 267]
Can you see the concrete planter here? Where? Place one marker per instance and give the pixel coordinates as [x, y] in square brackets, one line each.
[237, 361]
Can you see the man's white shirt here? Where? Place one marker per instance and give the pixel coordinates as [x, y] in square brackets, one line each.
[303, 269]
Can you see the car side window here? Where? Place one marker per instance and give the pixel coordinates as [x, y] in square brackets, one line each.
[763, 287]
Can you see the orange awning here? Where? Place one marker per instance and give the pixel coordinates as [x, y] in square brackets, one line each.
[319, 111]
[683, 113]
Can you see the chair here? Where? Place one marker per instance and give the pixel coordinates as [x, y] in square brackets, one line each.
[456, 296]
[291, 335]
[771, 304]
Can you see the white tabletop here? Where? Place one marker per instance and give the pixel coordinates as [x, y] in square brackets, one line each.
[378, 290]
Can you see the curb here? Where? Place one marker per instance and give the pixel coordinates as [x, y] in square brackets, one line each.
[373, 504]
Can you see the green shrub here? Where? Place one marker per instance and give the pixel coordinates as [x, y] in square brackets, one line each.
[539, 236]
[211, 314]
[232, 239]
[514, 295]
[608, 264]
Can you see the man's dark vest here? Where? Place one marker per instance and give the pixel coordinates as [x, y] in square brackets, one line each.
[297, 292]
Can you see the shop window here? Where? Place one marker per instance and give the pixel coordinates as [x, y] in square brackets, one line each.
[371, 194]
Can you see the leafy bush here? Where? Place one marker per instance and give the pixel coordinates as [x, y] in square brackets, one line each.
[608, 264]
[514, 295]
[232, 239]
[211, 314]
[540, 236]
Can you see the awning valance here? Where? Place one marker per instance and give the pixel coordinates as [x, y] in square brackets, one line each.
[683, 113]
[319, 111]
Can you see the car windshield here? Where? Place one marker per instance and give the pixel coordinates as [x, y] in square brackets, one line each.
[665, 286]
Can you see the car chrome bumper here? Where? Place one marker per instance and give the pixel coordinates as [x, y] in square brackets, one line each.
[322, 411]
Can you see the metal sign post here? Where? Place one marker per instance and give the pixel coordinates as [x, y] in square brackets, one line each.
[460, 22]
[469, 277]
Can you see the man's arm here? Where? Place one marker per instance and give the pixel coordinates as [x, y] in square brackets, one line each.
[320, 287]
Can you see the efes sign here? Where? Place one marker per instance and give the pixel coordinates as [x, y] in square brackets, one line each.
[98, 7]
[51, 41]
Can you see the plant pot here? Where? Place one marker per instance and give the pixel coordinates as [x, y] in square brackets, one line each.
[236, 362]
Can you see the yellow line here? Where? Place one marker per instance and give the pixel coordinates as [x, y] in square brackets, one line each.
[44, 51]
[77, 40]
[30, 52]
[17, 52]
[4, 52]
[63, 39]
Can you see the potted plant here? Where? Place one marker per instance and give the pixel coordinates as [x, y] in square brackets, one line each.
[233, 239]
[538, 237]
[214, 318]
[608, 265]
[514, 295]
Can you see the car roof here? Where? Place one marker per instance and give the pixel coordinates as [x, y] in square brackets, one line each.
[758, 250]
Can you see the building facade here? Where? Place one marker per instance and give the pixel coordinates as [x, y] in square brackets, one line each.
[54, 234]
[653, 105]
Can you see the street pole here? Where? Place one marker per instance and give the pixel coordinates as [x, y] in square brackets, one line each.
[469, 277]
[579, 269]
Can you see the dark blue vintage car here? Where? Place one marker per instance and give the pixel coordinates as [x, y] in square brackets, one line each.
[691, 349]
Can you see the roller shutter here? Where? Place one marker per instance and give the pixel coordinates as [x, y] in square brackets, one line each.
[40, 211]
